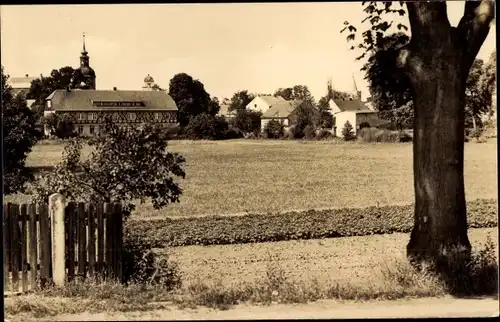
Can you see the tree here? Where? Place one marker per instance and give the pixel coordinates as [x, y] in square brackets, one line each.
[60, 126]
[44, 86]
[306, 116]
[298, 92]
[436, 61]
[126, 164]
[156, 87]
[247, 121]
[286, 93]
[477, 96]
[348, 132]
[19, 136]
[240, 100]
[191, 98]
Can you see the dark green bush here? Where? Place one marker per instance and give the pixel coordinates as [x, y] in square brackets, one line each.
[348, 132]
[324, 135]
[310, 224]
[309, 132]
[142, 265]
[274, 129]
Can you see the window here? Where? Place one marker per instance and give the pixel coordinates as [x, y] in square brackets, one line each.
[80, 129]
[49, 104]
[157, 116]
[93, 116]
[91, 129]
[255, 105]
[131, 116]
[81, 116]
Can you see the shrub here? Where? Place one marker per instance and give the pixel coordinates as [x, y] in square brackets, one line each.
[324, 135]
[252, 228]
[371, 134]
[274, 129]
[247, 121]
[142, 265]
[347, 131]
[362, 125]
[201, 127]
[60, 126]
[309, 132]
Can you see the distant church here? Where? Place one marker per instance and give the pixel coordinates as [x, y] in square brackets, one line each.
[88, 107]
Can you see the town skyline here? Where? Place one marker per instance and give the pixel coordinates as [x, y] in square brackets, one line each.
[221, 46]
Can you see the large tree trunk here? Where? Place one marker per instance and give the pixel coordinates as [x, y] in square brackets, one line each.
[438, 162]
[437, 62]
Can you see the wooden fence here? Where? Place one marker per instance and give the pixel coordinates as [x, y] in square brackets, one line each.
[92, 247]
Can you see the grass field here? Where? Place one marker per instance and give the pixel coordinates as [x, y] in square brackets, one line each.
[226, 177]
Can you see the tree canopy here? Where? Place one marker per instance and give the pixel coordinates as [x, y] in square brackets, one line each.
[297, 92]
[191, 98]
[19, 136]
[240, 100]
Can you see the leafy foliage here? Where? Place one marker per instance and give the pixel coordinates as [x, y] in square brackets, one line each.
[240, 100]
[298, 92]
[19, 136]
[306, 116]
[44, 86]
[347, 131]
[274, 129]
[311, 224]
[247, 121]
[126, 164]
[191, 98]
[207, 127]
[60, 126]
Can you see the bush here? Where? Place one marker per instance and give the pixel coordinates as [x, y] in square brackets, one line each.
[274, 129]
[347, 131]
[324, 135]
[362, 125]
[60, 126]
[142, 265]
[253, 228]
[201, 127]
[371, 134]
[309, 132]
[247, 121]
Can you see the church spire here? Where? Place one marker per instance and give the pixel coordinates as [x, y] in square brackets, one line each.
[84, 51]
[355, 88]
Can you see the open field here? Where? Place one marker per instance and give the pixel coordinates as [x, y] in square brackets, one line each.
[355, 259]
[237, 176]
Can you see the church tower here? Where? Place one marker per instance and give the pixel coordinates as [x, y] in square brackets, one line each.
[84, 77]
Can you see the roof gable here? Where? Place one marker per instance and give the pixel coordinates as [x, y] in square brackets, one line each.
[282, 109]
[86, 100]
[350, 105]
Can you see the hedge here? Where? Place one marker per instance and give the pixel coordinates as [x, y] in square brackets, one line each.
[252, 228]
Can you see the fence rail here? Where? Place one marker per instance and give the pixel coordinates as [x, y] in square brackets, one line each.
[92, 235]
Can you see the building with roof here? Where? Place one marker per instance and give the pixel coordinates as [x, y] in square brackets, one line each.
[262, 103]
[87, 107]
[356, 118]
[224, 111]
[284, 111]
[21, 86]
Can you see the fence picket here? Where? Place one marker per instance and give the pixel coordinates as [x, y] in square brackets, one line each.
[118, 240]
[70, 246]
[91, 238]
[100, 238]
[45, 250]
[108, 210]
[33, 256]
[6, 247]
[24, 257]
[82, 240]
[14, 254]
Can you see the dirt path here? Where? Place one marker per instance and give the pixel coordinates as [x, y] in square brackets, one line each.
[423, 308]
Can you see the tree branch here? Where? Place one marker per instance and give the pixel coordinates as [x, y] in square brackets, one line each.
[426, 18]
[474, 27]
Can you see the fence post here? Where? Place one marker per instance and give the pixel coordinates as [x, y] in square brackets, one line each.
[57, 206]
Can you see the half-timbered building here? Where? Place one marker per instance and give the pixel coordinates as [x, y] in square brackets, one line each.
[87, 109]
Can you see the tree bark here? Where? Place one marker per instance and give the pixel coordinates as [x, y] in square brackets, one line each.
[438, 72]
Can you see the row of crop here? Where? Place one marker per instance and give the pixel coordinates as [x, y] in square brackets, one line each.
[252, 228]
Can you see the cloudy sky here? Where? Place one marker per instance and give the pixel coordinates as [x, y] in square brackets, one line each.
[255, 46]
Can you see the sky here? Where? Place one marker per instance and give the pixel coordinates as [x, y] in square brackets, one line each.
[257, 47]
